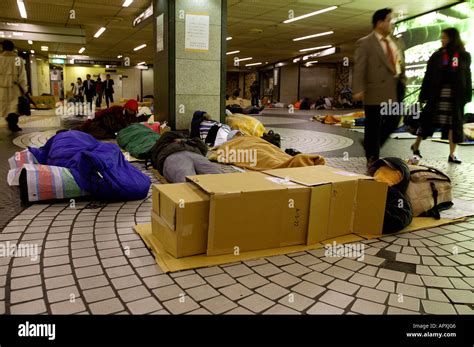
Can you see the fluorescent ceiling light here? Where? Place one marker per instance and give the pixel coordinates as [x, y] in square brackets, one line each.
[127, 3]
[244, 59]
[142, 63]
[139, 47]
[310, 14]
[314, 48]
[44, 48]
[229, 38]
[312, 36]
[119, 56]
[311, 62]
[30, 42]
[21, 8]
[82, 50]
[32, 51]
[254, 64]
[99, 32]
[233, 52]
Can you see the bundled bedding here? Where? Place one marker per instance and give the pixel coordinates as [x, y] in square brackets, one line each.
[138, 140]
[97, 168]
[255, 153]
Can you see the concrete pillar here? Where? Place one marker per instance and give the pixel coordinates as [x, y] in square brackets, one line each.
[185, 79]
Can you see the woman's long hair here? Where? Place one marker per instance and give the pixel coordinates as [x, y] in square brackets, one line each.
[455, 43]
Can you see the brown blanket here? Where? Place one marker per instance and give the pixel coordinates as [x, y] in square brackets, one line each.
[254, 153]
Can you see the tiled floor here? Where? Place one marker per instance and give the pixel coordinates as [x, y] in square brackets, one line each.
[92, 262]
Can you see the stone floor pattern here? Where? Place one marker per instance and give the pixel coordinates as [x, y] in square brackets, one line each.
[92, 262]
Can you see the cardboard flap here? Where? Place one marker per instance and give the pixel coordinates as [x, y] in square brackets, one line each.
[316, 175]
[182, 192]
[234, 183]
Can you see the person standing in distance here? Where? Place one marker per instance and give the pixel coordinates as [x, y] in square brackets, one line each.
[89, 90]
[12, 77]
[99, 90]
[255, 92]
[108, 89]
[378, 77]
[446, 89]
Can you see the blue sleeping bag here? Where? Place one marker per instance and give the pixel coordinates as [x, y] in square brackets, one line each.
[98, 168]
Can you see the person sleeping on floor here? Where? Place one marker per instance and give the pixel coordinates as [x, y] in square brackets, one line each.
[176, 156]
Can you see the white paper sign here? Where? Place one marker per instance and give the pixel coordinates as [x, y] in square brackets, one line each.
[159, 33]
[197, 32]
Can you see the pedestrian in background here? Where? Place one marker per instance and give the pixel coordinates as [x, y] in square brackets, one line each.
[108, 90]
[378, 77]
[99, 90]
[446, 89]
[13, 84]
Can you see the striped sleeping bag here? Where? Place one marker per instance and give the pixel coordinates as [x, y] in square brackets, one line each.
[41, 182]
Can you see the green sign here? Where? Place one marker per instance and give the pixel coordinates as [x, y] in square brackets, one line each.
[57, 61]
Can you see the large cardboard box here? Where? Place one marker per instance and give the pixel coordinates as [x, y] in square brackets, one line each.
[252, 211]
[341, 202]
[180, 218]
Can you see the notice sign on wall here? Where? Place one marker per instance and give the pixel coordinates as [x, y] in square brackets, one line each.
[197, 32]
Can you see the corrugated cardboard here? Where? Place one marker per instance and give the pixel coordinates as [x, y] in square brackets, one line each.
[295, 215]
[181, 216]
[169, 263]
[177, 243]
[341, 202]
[249, 211]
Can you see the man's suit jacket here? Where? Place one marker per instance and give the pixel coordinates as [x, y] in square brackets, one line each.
[110, 90]
[373, 74]
[87, 90]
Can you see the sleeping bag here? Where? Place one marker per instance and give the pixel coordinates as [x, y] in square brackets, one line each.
[98, 168]
[137, 139]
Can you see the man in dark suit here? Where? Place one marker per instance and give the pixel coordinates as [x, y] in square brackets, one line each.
[89, 90]
[379, 79]
[108, 90]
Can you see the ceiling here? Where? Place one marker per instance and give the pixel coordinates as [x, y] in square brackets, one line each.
[256, 26]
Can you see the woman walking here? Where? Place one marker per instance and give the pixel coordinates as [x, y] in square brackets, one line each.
[446, 89]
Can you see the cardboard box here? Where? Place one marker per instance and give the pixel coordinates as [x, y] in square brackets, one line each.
[341, 202]
[180, 218]
[252, 211]
[175, 242]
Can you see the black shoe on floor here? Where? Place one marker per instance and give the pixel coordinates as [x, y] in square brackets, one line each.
[454, 160]
[416, 151]
[12, 120]
[15, 128]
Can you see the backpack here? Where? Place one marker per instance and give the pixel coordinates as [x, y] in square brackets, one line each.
[429, 191]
